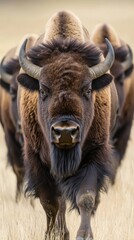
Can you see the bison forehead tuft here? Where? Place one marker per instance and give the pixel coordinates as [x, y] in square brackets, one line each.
[64, 73]
[43, 54]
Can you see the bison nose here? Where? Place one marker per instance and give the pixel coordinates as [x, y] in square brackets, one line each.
[65, 135]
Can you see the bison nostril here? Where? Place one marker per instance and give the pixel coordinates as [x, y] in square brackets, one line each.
[57, 132]
[74, 132]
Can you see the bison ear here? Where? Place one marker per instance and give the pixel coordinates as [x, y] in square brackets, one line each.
[101, 82]
[28, 82]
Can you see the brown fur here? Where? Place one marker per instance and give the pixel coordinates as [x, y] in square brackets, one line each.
[9, 117]
[124, 85]
[65, 56]
[64, 24]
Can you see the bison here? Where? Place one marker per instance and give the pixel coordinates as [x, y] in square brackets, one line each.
[9, 116]
[122, 70]
[65, 108]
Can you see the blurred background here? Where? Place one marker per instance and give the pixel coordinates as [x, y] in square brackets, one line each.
[20, 17]
[114, 219]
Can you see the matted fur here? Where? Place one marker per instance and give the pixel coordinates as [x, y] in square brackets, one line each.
[71, 185]
[43, 53]
[65, 162]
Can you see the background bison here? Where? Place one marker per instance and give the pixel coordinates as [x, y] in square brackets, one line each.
[123, 72]
[9, 116]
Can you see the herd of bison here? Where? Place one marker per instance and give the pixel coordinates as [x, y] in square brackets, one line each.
[66, 108]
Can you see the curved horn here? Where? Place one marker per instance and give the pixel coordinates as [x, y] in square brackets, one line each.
[31, 69]
[4, 75]
[127, 64]
[101, 68]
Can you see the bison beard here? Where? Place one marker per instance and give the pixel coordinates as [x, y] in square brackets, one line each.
[65, 162]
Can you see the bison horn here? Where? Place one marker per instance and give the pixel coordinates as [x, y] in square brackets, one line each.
[31, 69]
[127, 64]
[101, 68]
[4, 75]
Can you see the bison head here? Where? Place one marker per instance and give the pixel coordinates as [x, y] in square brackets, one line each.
[66, 74]
[121, 70]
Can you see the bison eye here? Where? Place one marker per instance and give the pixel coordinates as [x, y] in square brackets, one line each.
[87, 93]
[86, 89]
[44, 92]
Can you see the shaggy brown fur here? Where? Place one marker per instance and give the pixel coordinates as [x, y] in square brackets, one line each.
[9, 115]
[9, 121]
[124, 84]
[66, 25]
[65, 92]
[44, 53]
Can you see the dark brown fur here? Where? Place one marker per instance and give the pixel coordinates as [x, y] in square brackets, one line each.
[125, 88]
[77, 174]
[44, 53]
[12, 66]
[9, 119]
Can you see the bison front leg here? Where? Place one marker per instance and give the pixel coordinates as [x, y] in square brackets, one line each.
[41, 182]
[85, 205]
[51, 217]
[55, 213]
[49, 202]
[61, 221]
[86, 199]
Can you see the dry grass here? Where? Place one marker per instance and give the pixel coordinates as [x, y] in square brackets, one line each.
[114, 219]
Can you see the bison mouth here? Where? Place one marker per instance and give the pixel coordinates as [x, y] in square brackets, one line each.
[65, 161]
[64, 146]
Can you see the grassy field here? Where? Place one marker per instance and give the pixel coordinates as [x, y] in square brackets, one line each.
[114, 219]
